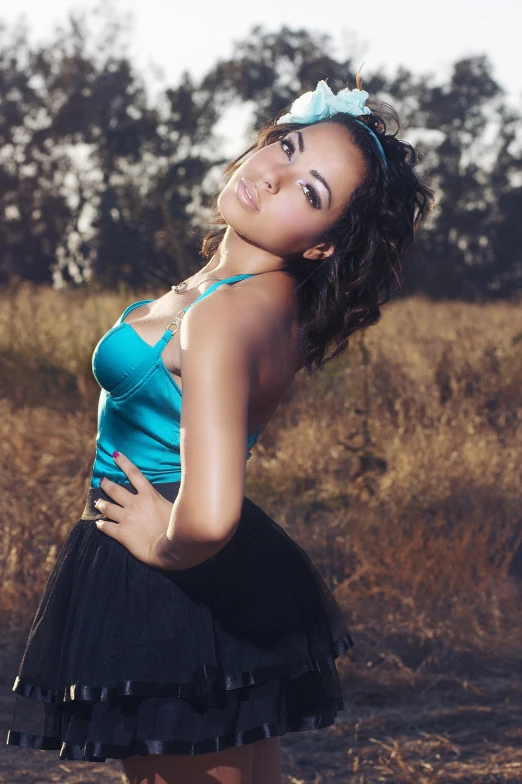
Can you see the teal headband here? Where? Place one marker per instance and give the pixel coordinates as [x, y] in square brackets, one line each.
[377, 142]
[321, 104]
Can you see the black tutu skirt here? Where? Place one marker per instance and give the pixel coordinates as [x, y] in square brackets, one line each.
[124, 659]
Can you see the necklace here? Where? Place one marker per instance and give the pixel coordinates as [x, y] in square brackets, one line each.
[182, 287]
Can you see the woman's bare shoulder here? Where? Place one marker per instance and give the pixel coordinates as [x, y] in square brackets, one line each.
[259, 315]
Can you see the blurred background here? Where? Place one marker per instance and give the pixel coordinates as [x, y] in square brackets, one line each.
[398, 467]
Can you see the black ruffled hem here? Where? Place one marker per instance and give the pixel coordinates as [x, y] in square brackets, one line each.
[100, 751]
[202, 683]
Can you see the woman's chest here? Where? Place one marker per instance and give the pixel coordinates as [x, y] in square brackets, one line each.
[149, 323]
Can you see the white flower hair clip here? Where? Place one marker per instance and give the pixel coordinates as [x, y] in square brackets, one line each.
[322, 103]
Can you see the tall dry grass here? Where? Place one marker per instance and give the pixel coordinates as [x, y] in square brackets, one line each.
[398, 468]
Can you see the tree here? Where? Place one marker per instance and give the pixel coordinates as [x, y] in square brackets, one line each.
[32, 172]
[99, 184]
[469, 161]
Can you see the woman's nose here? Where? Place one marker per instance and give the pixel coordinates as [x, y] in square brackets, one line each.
[272, 179]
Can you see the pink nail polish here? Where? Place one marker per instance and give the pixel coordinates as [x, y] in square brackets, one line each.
[115, 454]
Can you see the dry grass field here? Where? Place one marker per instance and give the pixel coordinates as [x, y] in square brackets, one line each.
[398, 468]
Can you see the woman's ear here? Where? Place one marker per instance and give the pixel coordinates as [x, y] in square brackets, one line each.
[321, 251]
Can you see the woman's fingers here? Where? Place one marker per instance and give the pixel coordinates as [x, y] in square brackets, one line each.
[109, 529]
[113, 511]
[133, 474]
[120, 494]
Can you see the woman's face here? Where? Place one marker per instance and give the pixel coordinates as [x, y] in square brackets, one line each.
[285, 195]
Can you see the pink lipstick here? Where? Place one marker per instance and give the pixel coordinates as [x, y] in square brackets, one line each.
[246, 192]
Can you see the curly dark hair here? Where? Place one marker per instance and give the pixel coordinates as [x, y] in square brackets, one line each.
[344, 292]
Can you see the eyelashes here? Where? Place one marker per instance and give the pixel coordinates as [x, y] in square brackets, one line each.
[309, 191]
[286, 142]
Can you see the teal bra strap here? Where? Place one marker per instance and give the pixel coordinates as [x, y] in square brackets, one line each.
[218, 283]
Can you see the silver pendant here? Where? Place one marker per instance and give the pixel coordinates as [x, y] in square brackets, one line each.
[181, 287]
[175, 325]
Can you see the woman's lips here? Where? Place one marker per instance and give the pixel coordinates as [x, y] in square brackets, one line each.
[247, 194]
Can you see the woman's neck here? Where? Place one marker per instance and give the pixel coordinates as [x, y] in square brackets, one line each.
[237, 256]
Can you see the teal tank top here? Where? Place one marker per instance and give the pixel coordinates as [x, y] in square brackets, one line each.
[139, 411]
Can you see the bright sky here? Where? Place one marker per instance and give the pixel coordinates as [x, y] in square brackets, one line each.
[425, 37]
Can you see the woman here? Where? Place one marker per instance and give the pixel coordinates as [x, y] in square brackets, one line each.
[185, 632]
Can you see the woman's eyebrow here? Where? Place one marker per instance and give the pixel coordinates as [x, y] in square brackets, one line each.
[313, 172]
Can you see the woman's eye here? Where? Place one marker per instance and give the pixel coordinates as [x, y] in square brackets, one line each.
[287, 146]
[311, 195]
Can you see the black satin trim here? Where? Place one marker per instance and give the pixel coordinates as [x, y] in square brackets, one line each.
[341, 645]
[99, 751]
[198, 688]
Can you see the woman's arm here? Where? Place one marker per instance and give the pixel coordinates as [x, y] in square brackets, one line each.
[218, 364]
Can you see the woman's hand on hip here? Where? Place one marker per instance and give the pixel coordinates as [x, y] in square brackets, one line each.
[139, 521]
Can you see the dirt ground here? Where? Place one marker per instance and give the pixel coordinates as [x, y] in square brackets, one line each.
[449, 732]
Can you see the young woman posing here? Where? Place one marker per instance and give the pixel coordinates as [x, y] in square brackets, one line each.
[181, 629]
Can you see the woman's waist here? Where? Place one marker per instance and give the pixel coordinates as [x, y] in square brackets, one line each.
[163, 474]
[168, 490]
[158, 462]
